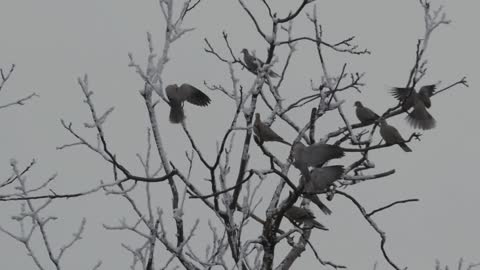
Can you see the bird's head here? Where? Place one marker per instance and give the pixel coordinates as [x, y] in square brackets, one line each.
[357, 104]
[257, 116]
[244, 51]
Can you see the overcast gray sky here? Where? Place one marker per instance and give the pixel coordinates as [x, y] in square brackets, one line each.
[52, 42]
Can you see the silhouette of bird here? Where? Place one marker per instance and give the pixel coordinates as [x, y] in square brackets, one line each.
[298, 215]
[253, 64]
[265, 133]
[391, 135]
[419, 117]
[364, 114]
[320, 181]
[178, 95]
[314, 155]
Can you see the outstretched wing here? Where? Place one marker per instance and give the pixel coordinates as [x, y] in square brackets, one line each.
[172, 94]
[194, 95]
[425, 93]
[427, 90]
[401, 93]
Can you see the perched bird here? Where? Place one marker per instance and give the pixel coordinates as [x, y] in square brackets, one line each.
[364, 114]
[391, 136]
[419, 117]
[320, 181]
[298, 215]
[253, 64]
[178, 95]
[314, 155]
[322, 178]
[265, 133]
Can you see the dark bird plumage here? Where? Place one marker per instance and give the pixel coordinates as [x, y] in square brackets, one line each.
[391, 136]
[178, 95]
[253, 64]
[320, 181]
[314, 155]
[299, 215]
[419, 117]
[265, 133]
[364, 114]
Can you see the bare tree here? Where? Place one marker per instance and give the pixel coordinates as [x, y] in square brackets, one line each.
[233, 199]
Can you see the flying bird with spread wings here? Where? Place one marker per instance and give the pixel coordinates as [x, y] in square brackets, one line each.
[177, 97]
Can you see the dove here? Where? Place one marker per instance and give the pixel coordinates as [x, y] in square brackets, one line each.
[419, 117]
[391, 135]
[265, 133]
[253, 64]
[320, 180]
[178, 95]
[298, 215]
[364, 114]
[314, 155]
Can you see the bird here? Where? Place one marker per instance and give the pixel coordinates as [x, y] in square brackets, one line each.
[320, 181]
[322, 178]
[391, 135]
[265, 133]
[419, 117]
[314, 155]
[364, 114]
[178, 95]
[253, 64]
[298, 215]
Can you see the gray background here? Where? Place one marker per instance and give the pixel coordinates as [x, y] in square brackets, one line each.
[52, 42]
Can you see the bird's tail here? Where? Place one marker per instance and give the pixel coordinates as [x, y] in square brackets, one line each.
[405, 147]
[177, 114]
[320, 204]
[315, 224]
[420, 118]
[273, 74]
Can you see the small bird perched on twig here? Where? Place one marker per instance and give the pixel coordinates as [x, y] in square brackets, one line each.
[253, 64]
[391, 135]
[364, 114]
[265, 133]
[419, 117]
[298, 215]
[178, 95]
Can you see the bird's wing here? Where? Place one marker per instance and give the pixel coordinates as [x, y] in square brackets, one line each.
[371, 114]
[364, 114]
[319, 153]
[171, 91]
[250, 62]
[393, 135]
[316, 224]
[322, 178]
[295, 213]
[425, 93]
[401, 93]
[427, 90]
[194, 95]
[268, 134]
